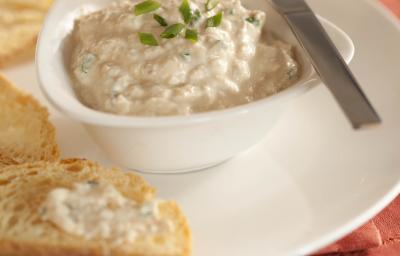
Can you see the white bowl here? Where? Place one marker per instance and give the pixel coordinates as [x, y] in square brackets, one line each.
[177, 143]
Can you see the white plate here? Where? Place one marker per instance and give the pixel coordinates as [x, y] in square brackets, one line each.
[312, 179]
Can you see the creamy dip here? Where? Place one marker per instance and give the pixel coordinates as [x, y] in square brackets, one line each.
[95, 210]
[229, 65]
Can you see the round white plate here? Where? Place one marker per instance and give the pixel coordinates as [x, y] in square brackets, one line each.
[312, 180]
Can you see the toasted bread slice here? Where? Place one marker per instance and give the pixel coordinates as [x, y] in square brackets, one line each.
[26, 135]
[20, 23]
[23, 188]
[4, 161]
[31, 4]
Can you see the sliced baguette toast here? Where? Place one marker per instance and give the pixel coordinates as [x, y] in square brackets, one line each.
[4, 161]
[26, 135]
[23, 188]
[20, 23]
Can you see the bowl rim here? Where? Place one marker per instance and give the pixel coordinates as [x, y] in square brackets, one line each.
[95, 117]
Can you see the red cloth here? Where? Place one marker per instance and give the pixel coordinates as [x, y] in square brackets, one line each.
[393, 5]
[386, 250]
[378, 237]
[368, 236]
[388, 222]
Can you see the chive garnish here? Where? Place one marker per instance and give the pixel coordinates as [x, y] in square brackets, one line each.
[214, 21]
[186, 56]
[185, 11]
[195, 17]
[211, 4]
[189, 17]
[191, 35]
[87, 62]
[253, 20]
[148, 39]
[172, 31]
[146, 7]
[160, 20]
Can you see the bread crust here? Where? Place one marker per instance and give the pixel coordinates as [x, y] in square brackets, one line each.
[23, 102]
[19, 42]
[79, 170]
[5, 161]
[18, 54]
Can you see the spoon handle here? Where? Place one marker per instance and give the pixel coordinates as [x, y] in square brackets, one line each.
[328, 63]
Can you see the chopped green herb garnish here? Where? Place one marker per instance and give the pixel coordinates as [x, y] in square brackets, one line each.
[253, 20]
[87, 62]
[214, 21]
[172, 31]
[92, 182]
[148, 39]
[185, 11]
[196, 17]
[191, 35]
[160, 20]
[231, 12]
[186, 56]
[146, 7]
[211, 4]
[292, 72]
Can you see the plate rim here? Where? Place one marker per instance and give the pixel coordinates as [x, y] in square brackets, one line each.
[379, 205]
[351, 225]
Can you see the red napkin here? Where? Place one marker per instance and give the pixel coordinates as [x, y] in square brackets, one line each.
[378, 237]
[393, 5]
